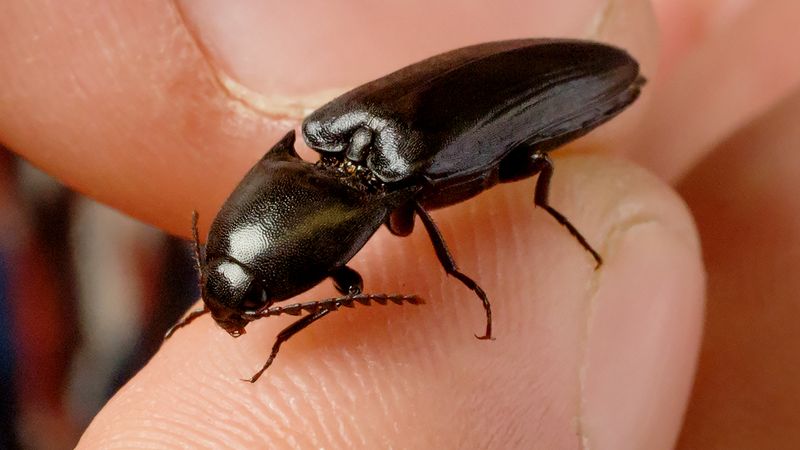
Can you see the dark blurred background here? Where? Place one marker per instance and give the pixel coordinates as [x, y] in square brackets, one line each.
[86, 294]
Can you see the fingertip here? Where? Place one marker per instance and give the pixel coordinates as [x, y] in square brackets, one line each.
[644, 316]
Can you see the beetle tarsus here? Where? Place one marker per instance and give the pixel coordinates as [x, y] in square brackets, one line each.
[540, 199]
[449, 265]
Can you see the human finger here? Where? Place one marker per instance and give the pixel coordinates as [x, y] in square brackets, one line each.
[599, 359]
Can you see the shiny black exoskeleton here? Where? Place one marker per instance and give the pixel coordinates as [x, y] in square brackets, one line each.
[430, 135]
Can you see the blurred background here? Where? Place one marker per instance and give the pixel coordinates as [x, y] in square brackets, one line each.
[86, 294]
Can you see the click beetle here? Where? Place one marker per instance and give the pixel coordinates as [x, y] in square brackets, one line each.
[429, 135]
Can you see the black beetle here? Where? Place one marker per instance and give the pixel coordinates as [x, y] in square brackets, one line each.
[427, 136]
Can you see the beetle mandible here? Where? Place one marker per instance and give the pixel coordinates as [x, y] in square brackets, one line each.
[429, 135]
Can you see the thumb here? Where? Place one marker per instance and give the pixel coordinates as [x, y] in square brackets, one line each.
[159, 107]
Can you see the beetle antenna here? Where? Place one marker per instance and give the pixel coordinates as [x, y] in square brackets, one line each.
[348, 301]
[199, 258]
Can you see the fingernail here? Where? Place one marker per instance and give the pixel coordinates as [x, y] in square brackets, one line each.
[642, 340]
[301, 55]
[254, 46]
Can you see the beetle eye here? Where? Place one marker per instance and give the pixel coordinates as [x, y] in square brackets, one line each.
[254, 298]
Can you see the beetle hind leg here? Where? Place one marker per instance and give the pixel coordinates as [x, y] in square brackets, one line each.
[544, 165]
[449, 265]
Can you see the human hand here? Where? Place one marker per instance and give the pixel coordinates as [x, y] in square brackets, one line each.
[581, 357]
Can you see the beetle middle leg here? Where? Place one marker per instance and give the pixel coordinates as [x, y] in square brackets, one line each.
[347, 281]
[401, 221]
[449, 265]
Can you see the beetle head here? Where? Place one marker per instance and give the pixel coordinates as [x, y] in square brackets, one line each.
[230, 291]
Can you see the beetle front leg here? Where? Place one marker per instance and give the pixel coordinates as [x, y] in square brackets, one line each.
[186, 321]
[449, 265]
[284, 336]
[347, 281]
[540, 198]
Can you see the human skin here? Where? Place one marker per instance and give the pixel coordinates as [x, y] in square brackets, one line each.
[171, 107]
